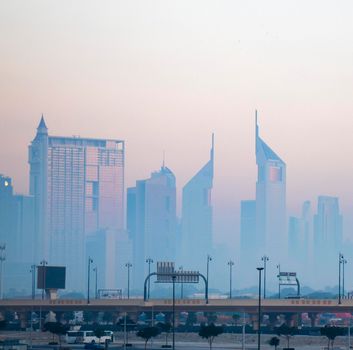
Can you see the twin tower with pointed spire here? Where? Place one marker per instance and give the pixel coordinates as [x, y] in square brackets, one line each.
[263, 220]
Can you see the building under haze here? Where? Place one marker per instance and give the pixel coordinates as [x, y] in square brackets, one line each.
[78, 189]
[299, 237]
[17, 233]
[197, 217]
[152, 222]
[271, 228]
[328, 234]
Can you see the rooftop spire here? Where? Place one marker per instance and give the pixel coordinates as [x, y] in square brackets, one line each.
[256, 130]
[42, 127]
[163, 163]
[212, 147]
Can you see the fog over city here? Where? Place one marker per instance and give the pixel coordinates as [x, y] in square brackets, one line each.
[149, 106]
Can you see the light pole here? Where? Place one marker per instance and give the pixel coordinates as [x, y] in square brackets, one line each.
[265, 258]
[279, 285]
[344, 262]
[174, 278]
[209, 258]
[43, 263]
[95, 269]
[33, 272]
[259, 309]
[90, 261]
[149, 261]
[340, 259]
[181, 284]
[230, 264]
[128, 265]
[2, 259]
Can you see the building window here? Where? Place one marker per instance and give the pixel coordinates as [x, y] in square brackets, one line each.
[275, 174]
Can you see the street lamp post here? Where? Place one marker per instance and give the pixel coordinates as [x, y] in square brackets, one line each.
[344, 262]
[2, 259]
[259, 309]
[340, 259]
[43, 263]
[95, 269]
[209, 258]
[173, 278]
[149, 261]
[265, 258]
[128, 265]
[279, 285]
[181, 284]
[230, 264]
[33, 272]
[90, 261]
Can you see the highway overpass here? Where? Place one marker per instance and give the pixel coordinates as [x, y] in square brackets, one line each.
[214, 305]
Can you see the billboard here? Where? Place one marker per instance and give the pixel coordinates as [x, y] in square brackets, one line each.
[51, 277]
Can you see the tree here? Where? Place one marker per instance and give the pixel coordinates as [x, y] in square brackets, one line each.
[56, 328]
[191, 319]
[331, 332]
[210, 332]
[286, 331]
[235, 318]
[274, 341]
[3, 324]
[98, 332]
[147, 333]
[165, 328]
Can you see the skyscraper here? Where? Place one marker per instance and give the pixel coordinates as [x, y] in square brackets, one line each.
[151, 213]
[78, 189]
[328, 232]
[197, 216]
[17, 233]
[271, 231]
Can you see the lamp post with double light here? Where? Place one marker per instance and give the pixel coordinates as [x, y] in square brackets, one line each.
[230, 264]
[128, 265]
[265, 258]
[259, 310]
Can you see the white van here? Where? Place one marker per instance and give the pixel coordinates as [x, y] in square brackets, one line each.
[86, 337]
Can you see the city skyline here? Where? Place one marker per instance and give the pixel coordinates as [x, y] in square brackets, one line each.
[164, 76]
[292, 232]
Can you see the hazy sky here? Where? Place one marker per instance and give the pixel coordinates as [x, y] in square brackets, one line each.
[164, 75]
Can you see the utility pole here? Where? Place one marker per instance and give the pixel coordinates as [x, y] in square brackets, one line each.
[259, 309]
[279, 283]
[90, 261]
[265, 258]
[209, 258]
[181, 284]
[33, 272]
[128, 265]
[95, 269]
[230, 264]
[43, 263]
[340, 259]
[2, 259]
[149, 261]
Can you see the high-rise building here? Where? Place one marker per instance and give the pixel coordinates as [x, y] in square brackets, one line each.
[151, 219]
[17, 233]
[78, 189]
[248, 247]
[271, 231]
[197, 222]
[328, 234]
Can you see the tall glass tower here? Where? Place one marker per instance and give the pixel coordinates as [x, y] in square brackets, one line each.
[78, 186]
[271, 231]
[151, 221]
[197, 216]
